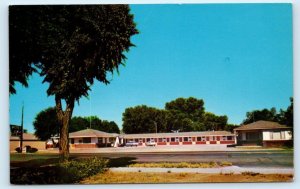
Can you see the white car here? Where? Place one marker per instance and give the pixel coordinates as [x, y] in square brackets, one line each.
[131, 143]
[151, 143]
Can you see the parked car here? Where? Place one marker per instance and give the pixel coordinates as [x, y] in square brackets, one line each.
[131, 143]
[151, 143]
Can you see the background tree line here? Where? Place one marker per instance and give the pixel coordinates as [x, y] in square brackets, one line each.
[188, 114]
[284, 117]
[183, 114]
[46, 124]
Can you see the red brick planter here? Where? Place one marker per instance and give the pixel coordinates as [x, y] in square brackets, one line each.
[185, 143]
[201, 142]
[174, 143]
[85, 146]
[212, 142]
[227, 142]
[161, 143]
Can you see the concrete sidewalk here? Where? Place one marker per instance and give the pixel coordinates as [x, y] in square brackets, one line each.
[223, 170]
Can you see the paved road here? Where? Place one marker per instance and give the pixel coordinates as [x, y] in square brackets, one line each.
[271, 159]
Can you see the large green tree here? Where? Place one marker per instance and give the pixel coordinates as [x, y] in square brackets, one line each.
[75, 45]
[46, 124]
[144, 119]
[79, 123]
[264, 114]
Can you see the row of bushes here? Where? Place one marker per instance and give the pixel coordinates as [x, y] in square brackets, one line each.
[181, 165]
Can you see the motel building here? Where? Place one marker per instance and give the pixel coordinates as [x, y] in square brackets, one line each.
[90, 138]
[263, 133]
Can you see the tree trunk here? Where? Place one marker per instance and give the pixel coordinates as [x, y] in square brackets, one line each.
[64, 117]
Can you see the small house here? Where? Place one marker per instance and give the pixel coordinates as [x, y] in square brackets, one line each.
[263, 133]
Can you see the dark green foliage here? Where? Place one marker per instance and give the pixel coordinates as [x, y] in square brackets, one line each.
[93, 122]
[18, 149]
[143, 119]
[32, 150]
[285, 117]
[264, 114]
[82, 168]
[72, 45]
[64, 173]
[46, 124]
[183, 114]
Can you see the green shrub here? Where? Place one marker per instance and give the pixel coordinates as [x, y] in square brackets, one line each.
[82, 168]
[18, 149]
[32, 150]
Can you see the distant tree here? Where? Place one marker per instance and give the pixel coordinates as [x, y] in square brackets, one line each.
[143, 119]
[286, 117]
[109, 127]
[264, 114]
[46, 124]
[80, 123]
[214, 122]
[230, 127]
[73, 45]
[192, 108]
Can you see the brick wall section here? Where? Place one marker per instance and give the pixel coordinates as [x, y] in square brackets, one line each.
[227, 142]
[85, 145]
[275, 143]
[161, 143]
[201, 142]
[40, 145]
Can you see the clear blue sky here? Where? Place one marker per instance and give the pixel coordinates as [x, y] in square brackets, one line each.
[236, 57]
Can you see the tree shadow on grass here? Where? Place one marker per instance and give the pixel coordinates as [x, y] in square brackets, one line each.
[121, 161]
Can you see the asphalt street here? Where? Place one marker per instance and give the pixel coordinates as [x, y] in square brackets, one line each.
[271, 159]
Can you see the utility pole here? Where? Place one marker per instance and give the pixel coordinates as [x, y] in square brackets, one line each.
[21, 136]
[155, 124]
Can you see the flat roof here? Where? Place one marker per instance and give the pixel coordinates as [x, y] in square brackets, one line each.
[180, 134]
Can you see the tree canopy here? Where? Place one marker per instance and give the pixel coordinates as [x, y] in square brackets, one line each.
[183, 114]
[46, 124]
[79, 123]
[71, 45]
[283, 116]
[144, 119]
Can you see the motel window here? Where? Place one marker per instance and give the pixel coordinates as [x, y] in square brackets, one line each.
[136, 140]
[229, 137]
[201, 138]
[172, 139]
[224, 138]
[80, 141]
[86, 140]
[148, 139]
[100, 140]
[140, 140]
[164, 140]
[176, 139]
[159, 139]
[190, 139]
[112, 139]
[72, 140]
[186, 139]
